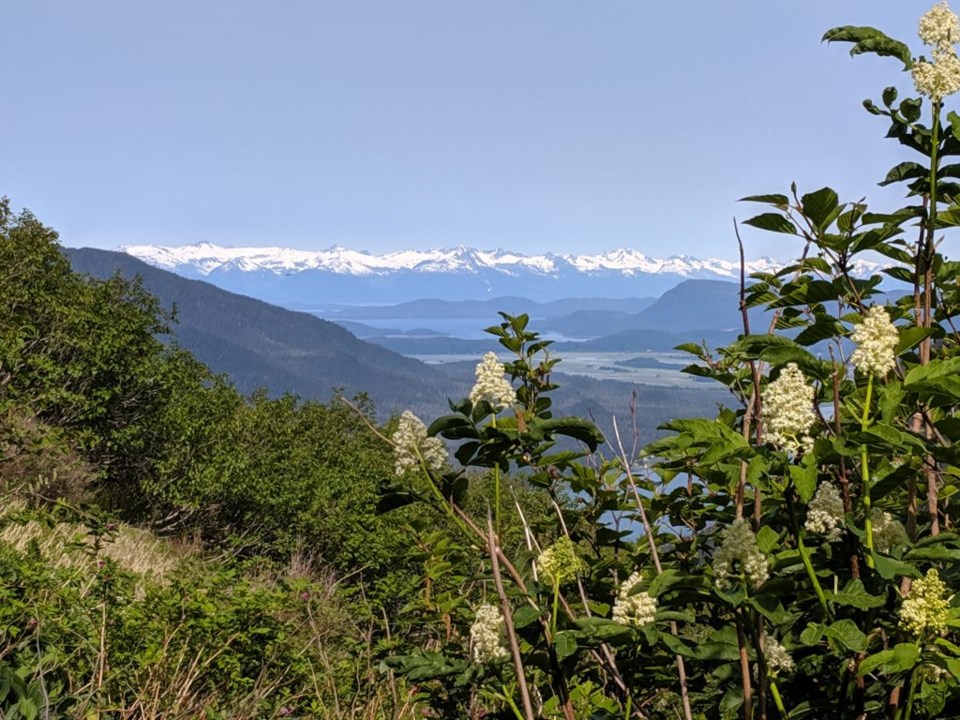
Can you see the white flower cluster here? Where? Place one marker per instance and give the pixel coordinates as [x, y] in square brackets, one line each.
[410, 443]
[940, 29]
[491, 385]
[876, 338]
[559, 563]
[739, 547]
[788, 411]
[485, 635]
[927, 607]
[637, 609]
[888, 532]
[825, 513]
[776, 655]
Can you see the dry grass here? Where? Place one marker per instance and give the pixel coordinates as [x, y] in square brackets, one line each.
[69, 545]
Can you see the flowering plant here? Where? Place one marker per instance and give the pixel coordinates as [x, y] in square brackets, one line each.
[794, 557]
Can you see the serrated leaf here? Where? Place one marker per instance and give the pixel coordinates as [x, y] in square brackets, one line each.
[889, 568]
[846, 633]
[821, 206]
[767, 539]
[774, 199]
[577, 428]
[855, 595]
[900, 658]
[812, 634]
[565, 644]
[773, 222]
[870, 40]
[904, 171]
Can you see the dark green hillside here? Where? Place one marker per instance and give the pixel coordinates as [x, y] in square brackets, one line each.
[261, 345]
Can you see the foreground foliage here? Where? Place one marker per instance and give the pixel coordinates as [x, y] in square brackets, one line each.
[794, 557]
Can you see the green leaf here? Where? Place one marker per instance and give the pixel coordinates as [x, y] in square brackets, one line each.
[812, 634]
[767, 539]
[577, 428]
[847, 634]
[855, 595]
[770, 607]
[905, 171]
[454, 427]
[774, 222]
[804, 478]
[870, 40]
[934, 371]
[677, 646]
[889, 568]
[899, 658]
[781, 201]
[730, 702]
[593, 631]
[822, 207]
[565, 644]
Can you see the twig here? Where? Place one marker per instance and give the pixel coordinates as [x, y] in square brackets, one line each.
[508, 620]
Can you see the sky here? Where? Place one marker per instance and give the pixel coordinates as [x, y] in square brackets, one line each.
[529, 125]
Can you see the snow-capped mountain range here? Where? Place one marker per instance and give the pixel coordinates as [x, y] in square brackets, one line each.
[338, 274]
[204, 258]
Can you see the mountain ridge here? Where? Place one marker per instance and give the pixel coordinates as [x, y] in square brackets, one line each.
[290, 277]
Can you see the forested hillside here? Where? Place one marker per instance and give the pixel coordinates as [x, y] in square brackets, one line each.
[263, 346]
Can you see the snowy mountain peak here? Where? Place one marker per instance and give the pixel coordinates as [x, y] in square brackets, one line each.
[204, 258]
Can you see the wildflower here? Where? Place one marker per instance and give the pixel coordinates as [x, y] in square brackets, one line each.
[410, 444]
[491, 384]
[788, 411]
[927, 606]
[888, 532]
[876, 338]
[739, 546]
[776, 655]
[939, 27]
[939, 78]
[933, 673]
[486, 633]
[559, 562]
[634, 608]
[825, 513]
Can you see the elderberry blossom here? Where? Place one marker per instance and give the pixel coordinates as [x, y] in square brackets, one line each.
[927, 606]
[491, 385]
[939, 78]
[777, 657]
[485, 635]
[788, 413]
[939, 27]
[634, 608]
[739, 555]
[825, 513]
[559, 562]
[888, 532]
[410, 444]
[876, 338]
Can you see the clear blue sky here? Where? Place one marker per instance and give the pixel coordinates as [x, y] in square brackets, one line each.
[533, 125]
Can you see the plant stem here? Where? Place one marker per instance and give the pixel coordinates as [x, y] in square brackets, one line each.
[556, 601]
[496, 487]
[513, 706]
[744, 667]
[778, 701]
[865, 471]
[805, 556]
[508, 621]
